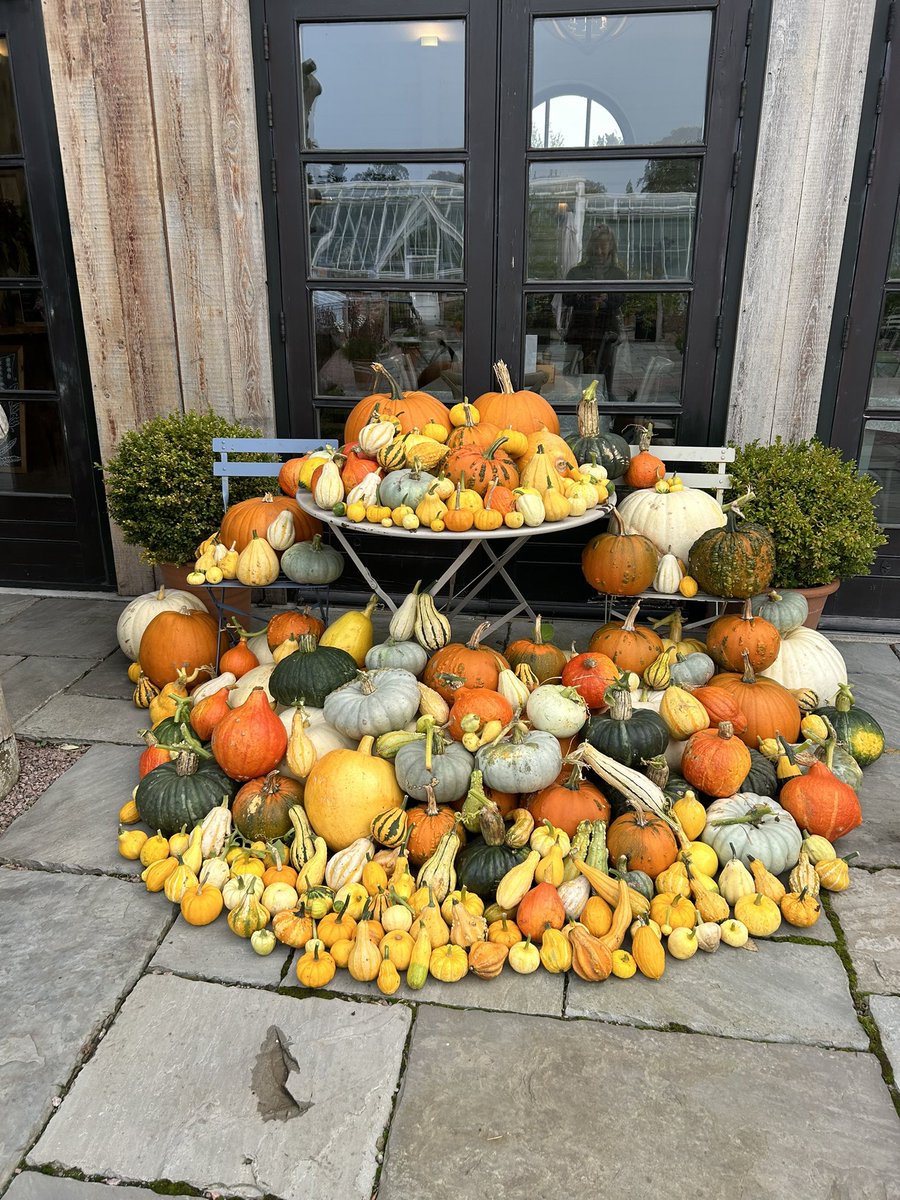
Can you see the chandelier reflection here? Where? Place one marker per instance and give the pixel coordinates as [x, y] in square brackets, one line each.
[587, 32]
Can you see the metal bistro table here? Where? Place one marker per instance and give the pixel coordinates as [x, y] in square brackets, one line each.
[473, 539]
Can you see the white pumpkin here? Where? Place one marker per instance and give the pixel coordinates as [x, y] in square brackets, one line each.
[256, 677]
[669, 574]
[807, 659]
[281, 533]
[227, 680]
[644, 697]
[557, 710]
[675, 752]
[672, 520]
[258, 642]
[322, 735]
[138, 614]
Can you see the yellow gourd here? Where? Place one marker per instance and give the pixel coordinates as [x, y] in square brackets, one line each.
[551, 867]
[431, 507]
[759, 913]
[353, 632]
[388, 978]
[517, 881]
[555, 952]
[156, 874]
[682, 714]
[448, 964]
[524, 957]
[647, 951]
[131, 842]
[128, 813]
[178, 883]
[315, 968]
[365, 957]
[154, 849]
[766, 883]
[556, 506]
[257, 564]
[541, 474]
[417, 972]
[623, 965]
[248, 916]
[399, 944]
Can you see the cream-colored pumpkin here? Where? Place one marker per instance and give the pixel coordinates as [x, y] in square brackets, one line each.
[329, 489]
[255, 677]
[138, 614]
[807, 659]
[281, 534]
[669, 574]
[672, 520]
[258, 563]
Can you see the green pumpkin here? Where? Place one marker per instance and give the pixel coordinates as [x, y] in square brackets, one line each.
[736, 561]
[168, 732]
[677, 786]
[480, 866]
[590, 445]
[857, 729]
[787, 611]
[640, 881]
[628, 735]
[313, 563]
[182, 792]
[761, 779]
[309, 674]
[404, 487]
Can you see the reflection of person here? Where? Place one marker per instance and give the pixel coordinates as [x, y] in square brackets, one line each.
[594, 317]
[312, 89]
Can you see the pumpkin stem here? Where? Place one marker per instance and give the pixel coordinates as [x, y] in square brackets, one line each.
[366, 686]
[631, 617]
[495, 446]
[620, 707]
[306, 643]
[843, 701]
[477, 634]
[573, 783]
[381, 372]
[749, 675]
[657, 770]
[501, 370]
[726, 730]
[589, 412]
[753, 816]
[187, 762]
[365, 746]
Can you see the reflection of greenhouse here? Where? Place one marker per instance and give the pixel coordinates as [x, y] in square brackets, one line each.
[406, 229]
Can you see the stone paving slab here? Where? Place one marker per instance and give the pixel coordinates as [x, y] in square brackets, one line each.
[886, 1011]
[7, 661]
[74, 824]
[867, 658]
[109, 678]
[877, 840]
[86, 719]
[282, 1097]
[52, 627]
[10, 604]
[214, 952]
[733, 993]
[32, 682]
[540, 994]
[868, 912]
[69, 948]
[32, 1185]
[635, 1103]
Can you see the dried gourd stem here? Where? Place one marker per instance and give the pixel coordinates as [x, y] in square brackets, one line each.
[478, 633]
[735, 505]
[753, 816]
[501, 370]
[589, 412]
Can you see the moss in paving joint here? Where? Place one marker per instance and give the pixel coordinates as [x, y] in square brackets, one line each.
[861, 1004]
[160, 1187]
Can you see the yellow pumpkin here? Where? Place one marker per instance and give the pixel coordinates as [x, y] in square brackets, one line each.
[315, 968]
[759, 913]
[353, 632]
[691, 816]
[448, 963]
[346, 790]
[257, 564]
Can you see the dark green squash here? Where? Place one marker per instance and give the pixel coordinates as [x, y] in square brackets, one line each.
[762, 779]
[737, 560]
[590, 445]
[627, 735]
[639, 880]
[182, 792]
[855, 728]
[677, 786]
[485, 860]
[309, 674]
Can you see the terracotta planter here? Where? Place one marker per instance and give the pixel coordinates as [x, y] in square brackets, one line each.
[816, 598]
[238, 598]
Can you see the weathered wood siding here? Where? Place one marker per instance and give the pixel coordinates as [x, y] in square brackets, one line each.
[157, 126]
[815, 76]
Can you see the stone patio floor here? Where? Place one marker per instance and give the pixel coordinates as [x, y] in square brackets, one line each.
[140, 1053]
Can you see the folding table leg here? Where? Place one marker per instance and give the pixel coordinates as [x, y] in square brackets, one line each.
[362, 568]
[499, 564]
[464, 555]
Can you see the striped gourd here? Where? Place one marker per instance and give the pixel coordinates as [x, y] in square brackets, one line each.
[389, 827]
[638, 790]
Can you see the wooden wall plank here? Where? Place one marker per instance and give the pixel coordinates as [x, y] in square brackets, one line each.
[817, 61]
[188, 185]
[232, 108]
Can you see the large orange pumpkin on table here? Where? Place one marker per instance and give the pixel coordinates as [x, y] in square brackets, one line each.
[556, 448]
[468, 665]
[523, 410]
[631, 647]
[544, 659]
[569, 800]
[646, 841]
[178, 639]
[482, 467]
[619, 562]
[414, 410]
[257, 514]
[768, 707]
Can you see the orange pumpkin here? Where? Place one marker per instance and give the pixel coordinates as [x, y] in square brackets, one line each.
[645, 469]
[480, 702]
[249, 741]
[176, 640]
[646, 841]
[414, 410]
[426, 825]
[590, 675]
[556, 449]
[208, 712]
[619, 562]
[482, 467]
[631, 647]
[355, 466]
[569, 800]
[524, 410]
[544, 659]
[768, 707]
[715, 761]
[720, 706]
[472, 432]
[471, 665]
[239, 659]
[257, 514]
[502, 500]
[284, 624]
[153, 756]
[731, 634]
[260, 809]
[539, 909]
[289, 475]
[821, 803]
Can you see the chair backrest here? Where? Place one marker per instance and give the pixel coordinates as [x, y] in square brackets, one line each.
[225, 469]
[721, 455]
